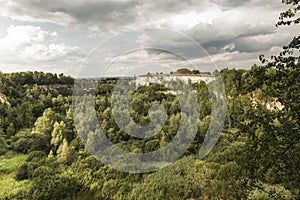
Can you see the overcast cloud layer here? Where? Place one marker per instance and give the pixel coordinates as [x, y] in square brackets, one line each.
[43, 35]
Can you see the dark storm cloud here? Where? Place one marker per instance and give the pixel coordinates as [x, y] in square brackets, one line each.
[247, 28]
[94, 14]
[117, 15]
[261, 42]
[100, 15]
[215, 37]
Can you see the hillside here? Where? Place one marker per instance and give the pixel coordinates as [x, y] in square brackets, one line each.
[42, 157]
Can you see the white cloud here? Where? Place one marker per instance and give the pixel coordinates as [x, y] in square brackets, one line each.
[31, 43]
[51, 52]
[186, 20]
[20, 36]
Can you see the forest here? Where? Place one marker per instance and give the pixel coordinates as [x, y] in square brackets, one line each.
[256, 157]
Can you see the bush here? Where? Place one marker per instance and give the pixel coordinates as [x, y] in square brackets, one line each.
[22, 145]
[26, 171]
[270, 192]
[53, 187]
[36, 156]
[3, 146]
[22, 172]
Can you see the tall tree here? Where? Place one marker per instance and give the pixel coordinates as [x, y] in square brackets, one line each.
[275, 146]
[57, 135]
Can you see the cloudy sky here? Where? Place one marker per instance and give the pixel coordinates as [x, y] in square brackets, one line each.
[58, 35]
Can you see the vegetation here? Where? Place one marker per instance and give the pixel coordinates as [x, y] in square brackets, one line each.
[256, 157]
[183, 71]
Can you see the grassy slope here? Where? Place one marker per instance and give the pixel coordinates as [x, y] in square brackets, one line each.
[8, 168]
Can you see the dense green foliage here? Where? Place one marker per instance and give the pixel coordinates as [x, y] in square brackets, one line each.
[256, 157]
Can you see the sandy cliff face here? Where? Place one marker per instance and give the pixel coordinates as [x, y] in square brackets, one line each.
[3, 99]
[164, 79]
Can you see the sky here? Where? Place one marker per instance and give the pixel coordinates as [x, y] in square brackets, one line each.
[65, 36]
